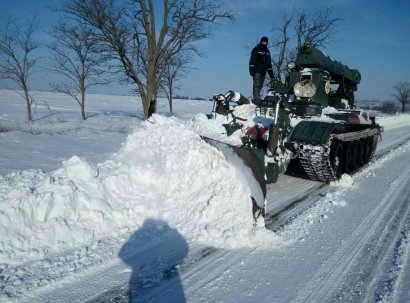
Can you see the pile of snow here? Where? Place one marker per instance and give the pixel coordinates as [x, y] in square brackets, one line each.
[164, 171]
[344, 181]
[213, 128]
[396, 121]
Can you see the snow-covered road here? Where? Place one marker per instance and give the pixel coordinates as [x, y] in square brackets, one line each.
[349, 243]
[343, 242]
[294, 187]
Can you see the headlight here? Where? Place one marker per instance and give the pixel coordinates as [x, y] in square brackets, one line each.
[236, 97]
[291, 65]
[305, 89]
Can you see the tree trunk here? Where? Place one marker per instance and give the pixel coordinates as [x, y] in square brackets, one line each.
[152, 107]
[83, 102]
[82, 90]
[145, 106]
[28, 103]
[170, 101]
[83, 106]
[150, 104]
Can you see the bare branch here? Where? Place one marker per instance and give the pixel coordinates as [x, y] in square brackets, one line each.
[78, 57]
[17, 45]
[402, 94]
[66, 89]
[315, 29]
[310, 29]
[280, 46]
[174, 72]
[128, 31]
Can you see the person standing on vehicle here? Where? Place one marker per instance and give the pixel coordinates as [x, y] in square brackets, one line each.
[260, 63]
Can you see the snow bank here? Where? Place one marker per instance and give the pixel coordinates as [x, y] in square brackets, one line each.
[163, 171]
[396, 121]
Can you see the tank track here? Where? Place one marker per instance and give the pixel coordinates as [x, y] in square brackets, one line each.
[316, 161]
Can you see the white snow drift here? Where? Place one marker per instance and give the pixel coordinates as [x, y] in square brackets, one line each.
[163, 171]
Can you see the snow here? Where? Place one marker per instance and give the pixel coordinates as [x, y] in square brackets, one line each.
[81, 201]
[344, 181]
[396, 121]
[163, 171]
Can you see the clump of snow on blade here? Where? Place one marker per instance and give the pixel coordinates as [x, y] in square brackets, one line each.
[163, 171]
[213, 128]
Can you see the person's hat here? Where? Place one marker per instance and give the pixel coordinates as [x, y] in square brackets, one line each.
[264, 39]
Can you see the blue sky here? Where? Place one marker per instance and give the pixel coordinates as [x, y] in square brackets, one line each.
[373, 37]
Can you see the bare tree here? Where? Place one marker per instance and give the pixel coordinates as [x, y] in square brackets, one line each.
[16, 56]
[402, 94]
[174, 72]
[280, 45]
[315, 29]
[144, 37]
[76, 57]
[389, 107]
[309, 29]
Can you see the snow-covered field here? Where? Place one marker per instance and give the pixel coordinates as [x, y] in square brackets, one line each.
[92, 209]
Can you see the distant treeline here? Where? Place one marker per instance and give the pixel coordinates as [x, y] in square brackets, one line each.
[387, 107]
[188, 98]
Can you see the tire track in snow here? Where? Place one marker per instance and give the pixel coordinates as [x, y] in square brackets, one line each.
[191, 271]
[92, 283]
[197, 281]
[372, 264]
[366, 246]
[400, 291]
[386, 284]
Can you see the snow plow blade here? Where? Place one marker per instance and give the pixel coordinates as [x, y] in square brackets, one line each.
[251, 168]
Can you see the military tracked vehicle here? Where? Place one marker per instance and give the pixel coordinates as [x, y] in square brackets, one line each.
[311, 117]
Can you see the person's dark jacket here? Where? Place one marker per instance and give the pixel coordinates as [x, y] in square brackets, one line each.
[260, 61]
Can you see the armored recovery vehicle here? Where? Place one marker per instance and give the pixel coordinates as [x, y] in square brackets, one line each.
[311, 117]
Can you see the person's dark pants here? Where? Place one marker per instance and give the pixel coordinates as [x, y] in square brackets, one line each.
[258, 80]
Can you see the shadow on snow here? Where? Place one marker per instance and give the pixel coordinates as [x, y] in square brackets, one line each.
[153, 253]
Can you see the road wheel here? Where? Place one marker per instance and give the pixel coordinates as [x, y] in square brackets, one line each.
[370, 147]
[364, 151]
[336, 159]
[356, 154]
[349, 157]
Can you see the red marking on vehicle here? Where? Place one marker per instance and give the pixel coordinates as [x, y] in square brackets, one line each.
[263, 132]
[353, 120]
[250, 131]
